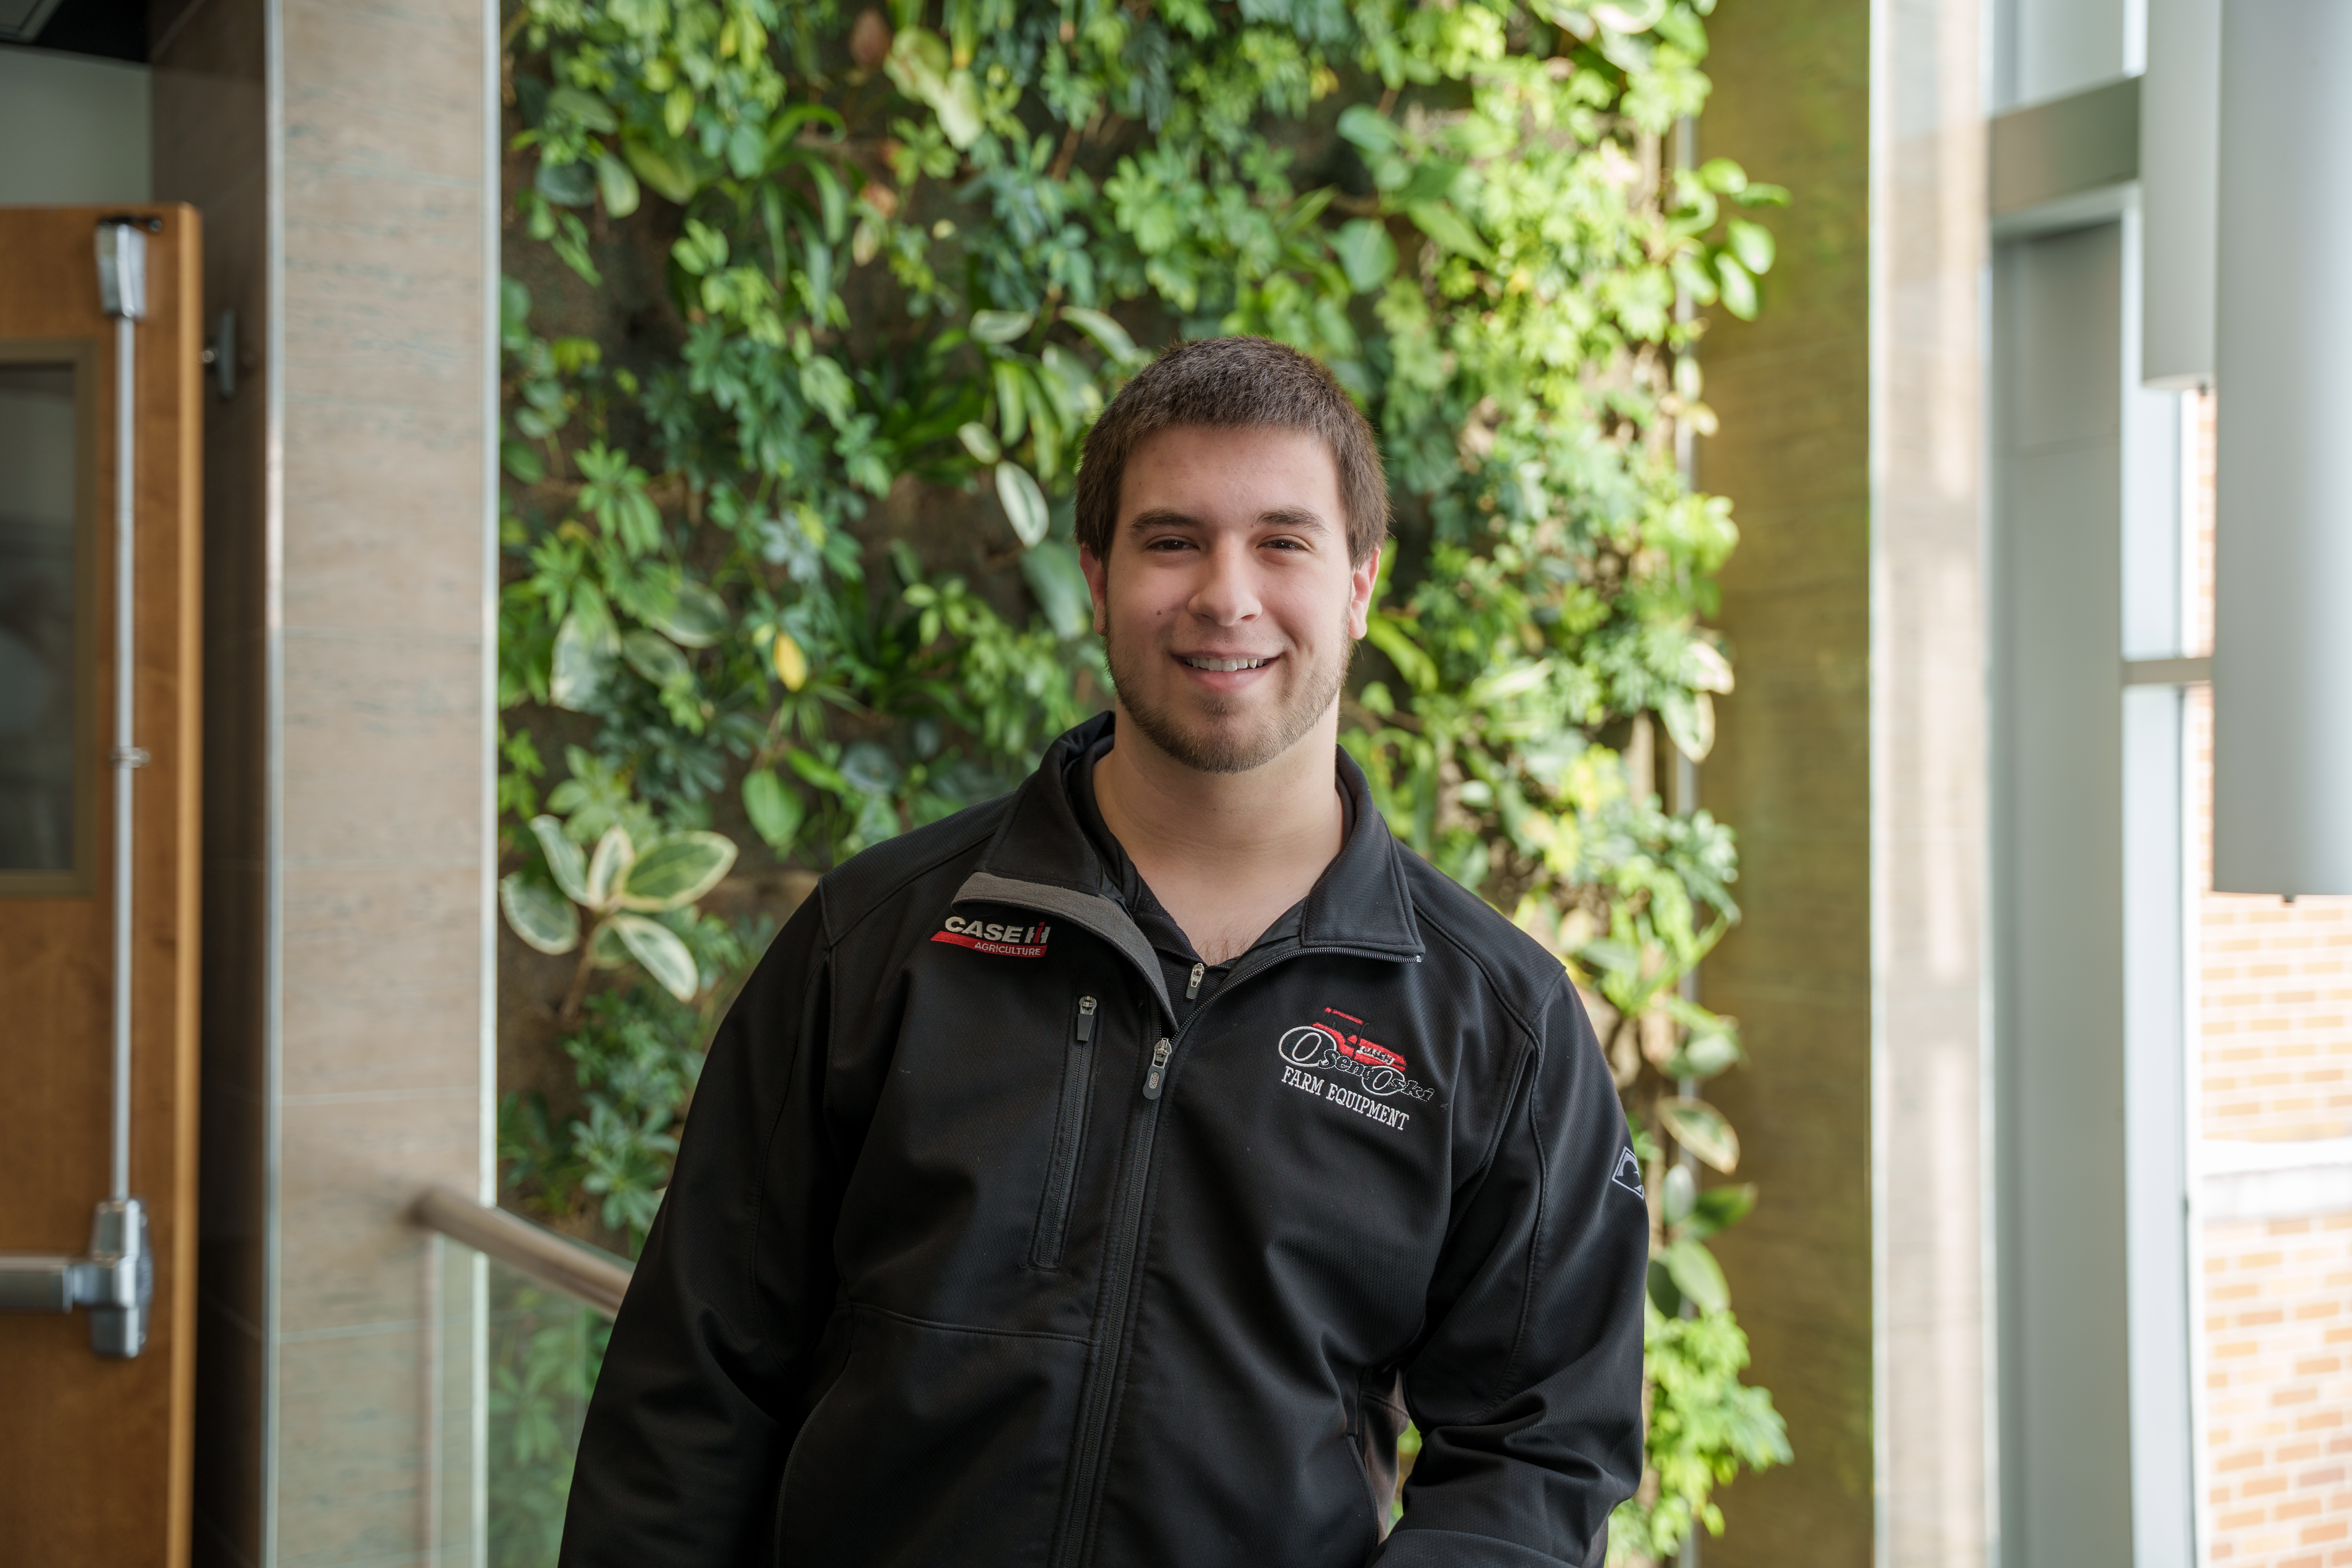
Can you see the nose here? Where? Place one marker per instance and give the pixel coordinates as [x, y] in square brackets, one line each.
[1227, 593]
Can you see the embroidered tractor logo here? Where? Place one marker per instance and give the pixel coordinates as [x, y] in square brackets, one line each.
[1324, 1048]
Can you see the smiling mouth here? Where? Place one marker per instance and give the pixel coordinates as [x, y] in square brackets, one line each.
[1223, 666]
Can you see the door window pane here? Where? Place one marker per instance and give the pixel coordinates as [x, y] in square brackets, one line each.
[38, 609]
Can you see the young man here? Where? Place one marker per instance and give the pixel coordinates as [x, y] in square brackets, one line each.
[1105, 1174]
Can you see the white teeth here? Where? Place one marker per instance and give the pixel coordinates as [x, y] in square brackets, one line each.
[1224, 664]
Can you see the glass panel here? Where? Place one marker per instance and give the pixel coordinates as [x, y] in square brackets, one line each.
[456, 1503]
[2272, 1011]
[544, 1352]
[37, 604]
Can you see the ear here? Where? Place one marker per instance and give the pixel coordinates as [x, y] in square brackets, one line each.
[1361, 578]
[1099, 584]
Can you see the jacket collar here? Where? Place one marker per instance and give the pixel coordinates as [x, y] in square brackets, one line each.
[1360, 903]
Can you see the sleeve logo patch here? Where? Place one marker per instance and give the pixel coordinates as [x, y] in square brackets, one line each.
[1628, 1174]
[1322, 1055]
[990, 937]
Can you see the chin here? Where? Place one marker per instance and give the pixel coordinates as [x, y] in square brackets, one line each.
[1227, 741]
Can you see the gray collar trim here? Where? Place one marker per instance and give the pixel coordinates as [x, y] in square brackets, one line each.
[1097, 914]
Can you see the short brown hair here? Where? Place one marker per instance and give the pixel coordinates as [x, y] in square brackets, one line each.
[1231, 384]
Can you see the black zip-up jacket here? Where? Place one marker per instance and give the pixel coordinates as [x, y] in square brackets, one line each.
[988, 1245]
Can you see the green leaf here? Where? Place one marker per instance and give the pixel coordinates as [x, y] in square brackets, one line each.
[608, 866]
[1703, 1129]
[583, 109]
[825, 383]
[542, 917]
[1738, 287]
[1720, 1208]
[959, 111]
[606, 948]
[980, 441]
[692, 615]
[1000, 326]
[1060, 584]
[1697, 1275]
[616, 185]
[514, 314]
[1676, 1193]
[1369, 129]
[523, 461]
[870, 768]
[1012, 408]
[656, 657]
[564, 861]
[1108, 334]
[817, 771]
[918, 61]
[832, 198]
[1025, 503]
[673, 171]
[1367, 255]
[1752, 244]
[1449, 230]
[676, 870]
[1690, 723]
[657, 948]
[1433, 182]
[1707, 1053]
[1387, 634]
[565, 184]
[1722, 175]
[586, 649]
[774, 809]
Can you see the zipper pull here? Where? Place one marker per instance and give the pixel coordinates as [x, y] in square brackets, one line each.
[1192, 991]
[1152, 1079]
[1086, 1019]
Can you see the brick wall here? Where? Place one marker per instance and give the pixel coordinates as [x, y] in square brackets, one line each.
[2278, 1392]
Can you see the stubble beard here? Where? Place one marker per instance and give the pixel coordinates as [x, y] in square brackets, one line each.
[1219, 750]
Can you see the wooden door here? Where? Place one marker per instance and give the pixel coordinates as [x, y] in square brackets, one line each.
[94, 1451]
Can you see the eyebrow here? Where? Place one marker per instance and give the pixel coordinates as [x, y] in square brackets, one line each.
[1299, 518]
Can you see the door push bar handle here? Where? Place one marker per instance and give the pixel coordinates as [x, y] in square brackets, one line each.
[116, 1281]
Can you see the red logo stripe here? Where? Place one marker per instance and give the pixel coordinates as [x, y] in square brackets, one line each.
[999, 948]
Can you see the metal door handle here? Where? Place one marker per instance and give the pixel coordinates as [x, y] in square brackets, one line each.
[116, 1281]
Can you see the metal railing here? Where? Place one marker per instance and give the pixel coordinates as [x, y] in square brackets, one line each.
[593, 1278]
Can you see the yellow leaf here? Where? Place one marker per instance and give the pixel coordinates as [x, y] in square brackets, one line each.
[791, 664]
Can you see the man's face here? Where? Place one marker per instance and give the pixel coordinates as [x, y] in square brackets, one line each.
[1228, 606]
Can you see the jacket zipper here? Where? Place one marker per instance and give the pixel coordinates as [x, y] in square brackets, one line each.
[1119, 1278]
[1069, 1136]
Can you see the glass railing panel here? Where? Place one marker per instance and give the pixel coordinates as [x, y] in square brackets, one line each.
[544, 1349]
[453, 1502]
[517, 1339]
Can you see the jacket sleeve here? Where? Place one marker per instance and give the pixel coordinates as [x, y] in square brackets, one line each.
[1527, 1388]
[701, 1390]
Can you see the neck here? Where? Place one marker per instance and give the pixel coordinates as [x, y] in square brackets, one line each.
[1283, 812]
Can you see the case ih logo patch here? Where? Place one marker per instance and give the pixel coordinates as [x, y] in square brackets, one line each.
[987, 936]
[1323, 1056]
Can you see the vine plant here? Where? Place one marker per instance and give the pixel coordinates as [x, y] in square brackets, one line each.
[811, 310]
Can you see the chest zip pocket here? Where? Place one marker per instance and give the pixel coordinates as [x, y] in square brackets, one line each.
[1070, 1139]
